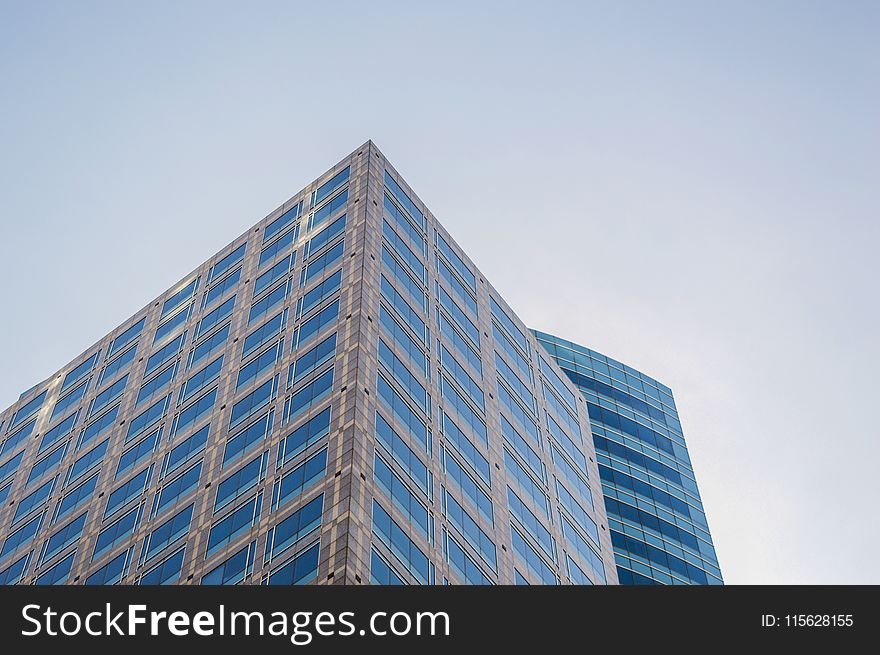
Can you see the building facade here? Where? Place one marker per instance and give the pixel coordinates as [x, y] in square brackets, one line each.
[655, 515]
[338, 396]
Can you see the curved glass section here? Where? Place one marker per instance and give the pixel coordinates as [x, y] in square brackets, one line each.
[655, 515]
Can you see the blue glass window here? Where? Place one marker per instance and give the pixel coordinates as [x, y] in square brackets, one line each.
[396, 489]
[403, 454]
[308, 396]
[280, 245]
[328, 210]
[571, 475]
[118, 365]
[274, 274]
[395, 538]
[157, 385]
[530, 557]
[257, 366]
[209, 346]
[179, 487]
[180, 297]
[247, 438]
[519, 387]
[263, 334]
[464, 563]
[309, 362]
[401, 306]
[88, 461]
[571, 422]
[282, 221]
[233, 570]
[512, 351]
[529, 487]
[269, 302]
[395, 402]
[107, 396]
[318, 294]
[408, 205]
[214, 317]
[326, 190]
[295, 483]
[470, 530]
[567, 444]
[295, 527]
[79, 372]
[458, 440]
[76, 497]
[531, 458]
[520, 511]
[14, 573]
[64, 537]
[11, 466]
[171, 325]
[164, 354]
[457, 287]
[33, 500]
[394, 365]
[412, 261]
[317, 323]
[202, 379]
[98, 426]
[460, 375]
[468, 486]
[17, 437]
[20, 537]
[462, 345]
[244, 479]
[466, 415]
[582, 548]
[70, 400]
[506, 322]
[304, 436]
[184, 451]
[168, 572]
[457, 263]
[58, 574]
[233, 524]
[405, 225]
[117, 532]
[458, 316]
[227, 262]
[519, 414]
[405, 279]
[381, 572]
[137, 453]
[194, 413]
[222, 287]
[48, 463]
[403, 340]
[126, 337]
[252, 403]
[28, 410]
[146, 419]
[322, 263]
[578, 513]
[326, 235]
[300, 570]
[112, 572]
[127, 491]
[169, 532]
[60, 431]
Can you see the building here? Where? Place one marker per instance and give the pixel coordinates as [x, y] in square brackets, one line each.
[338, 396]
[656, 518]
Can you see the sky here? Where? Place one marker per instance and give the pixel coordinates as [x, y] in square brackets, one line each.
[691, 188]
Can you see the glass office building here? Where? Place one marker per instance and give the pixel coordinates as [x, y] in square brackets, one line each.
[658, 526]
[338, 396]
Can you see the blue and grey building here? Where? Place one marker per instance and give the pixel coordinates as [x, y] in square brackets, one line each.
[337, 396]
[655, 515]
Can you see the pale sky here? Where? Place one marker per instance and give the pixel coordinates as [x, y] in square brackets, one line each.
[691, 188]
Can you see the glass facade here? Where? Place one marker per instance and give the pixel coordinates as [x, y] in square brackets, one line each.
[338, 396]
[655, 515]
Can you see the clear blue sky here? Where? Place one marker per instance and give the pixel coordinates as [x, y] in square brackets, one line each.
[689, 187]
